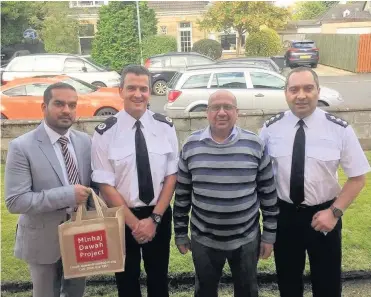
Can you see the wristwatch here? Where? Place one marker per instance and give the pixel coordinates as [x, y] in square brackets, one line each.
[338, 213]
[156, 218]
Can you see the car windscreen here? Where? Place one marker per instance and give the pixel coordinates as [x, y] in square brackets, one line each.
[304, 44]
[172, 83]
[81, 86]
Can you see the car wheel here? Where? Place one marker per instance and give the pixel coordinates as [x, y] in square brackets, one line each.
[314, 65]
[200, 108]
[106, 111]
[159, 88]
[322, 104]
[99, 84]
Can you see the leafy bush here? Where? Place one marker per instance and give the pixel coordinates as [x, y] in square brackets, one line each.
[264, 43]
[158, 44]
[116, 44]
[208, 47]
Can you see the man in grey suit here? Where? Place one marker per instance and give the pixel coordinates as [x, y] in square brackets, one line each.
[46, 174]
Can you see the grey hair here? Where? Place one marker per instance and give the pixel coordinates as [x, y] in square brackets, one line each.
[302, 69]
[137, 70]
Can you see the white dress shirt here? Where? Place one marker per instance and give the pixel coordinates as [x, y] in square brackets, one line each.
[114, 157]
[327, 145]
[206, 134]
[54, 136]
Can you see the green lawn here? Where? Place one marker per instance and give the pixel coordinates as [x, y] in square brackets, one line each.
[356, 242]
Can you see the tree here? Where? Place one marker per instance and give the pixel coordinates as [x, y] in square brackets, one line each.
[309, 10]
[265, 43]
[59, 31]
[116, 44]
[17, 16]
[158, 44]
[208, 47]
[243, 16]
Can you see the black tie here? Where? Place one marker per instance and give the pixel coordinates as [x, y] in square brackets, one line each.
[143, 167]
[297, 166]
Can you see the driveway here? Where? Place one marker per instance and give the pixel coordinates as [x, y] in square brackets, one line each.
[323, 70]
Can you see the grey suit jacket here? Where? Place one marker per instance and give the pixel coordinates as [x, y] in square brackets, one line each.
[35, 189]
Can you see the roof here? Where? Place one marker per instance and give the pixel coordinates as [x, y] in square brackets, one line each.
[350, 11]
[235, 66]
[34, 79]
[180, 54]
[177, 6]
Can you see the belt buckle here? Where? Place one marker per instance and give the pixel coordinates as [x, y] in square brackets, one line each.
[301, 206]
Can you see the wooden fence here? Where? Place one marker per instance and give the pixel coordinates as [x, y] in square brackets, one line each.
[350, 52]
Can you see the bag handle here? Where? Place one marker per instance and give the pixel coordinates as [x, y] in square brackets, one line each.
[98, 203]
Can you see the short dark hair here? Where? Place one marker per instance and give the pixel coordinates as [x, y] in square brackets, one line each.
[48, 95]
[302, 69]
[137, 70]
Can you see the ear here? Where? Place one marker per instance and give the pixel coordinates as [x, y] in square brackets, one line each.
[43, 107]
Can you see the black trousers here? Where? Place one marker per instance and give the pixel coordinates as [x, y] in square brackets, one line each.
[209, 265]
[155, 256]
[295, 237]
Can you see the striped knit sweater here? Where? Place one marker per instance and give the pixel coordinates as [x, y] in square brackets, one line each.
[226, 185]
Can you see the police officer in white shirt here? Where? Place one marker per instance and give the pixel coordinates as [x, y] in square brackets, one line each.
[307, 145]
[134, 160]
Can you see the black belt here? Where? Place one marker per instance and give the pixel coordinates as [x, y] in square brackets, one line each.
[287, 205]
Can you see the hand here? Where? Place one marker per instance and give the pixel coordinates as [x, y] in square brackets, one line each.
[81, 194]
[324, 221]
[184, 248]
[145, 231]
[265, 250]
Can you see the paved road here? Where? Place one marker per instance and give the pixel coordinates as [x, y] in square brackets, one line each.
[355, 89]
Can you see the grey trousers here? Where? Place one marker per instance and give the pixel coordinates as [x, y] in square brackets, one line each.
[209, 265]
[48, 281]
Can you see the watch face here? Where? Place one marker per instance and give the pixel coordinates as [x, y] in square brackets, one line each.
[337, 212]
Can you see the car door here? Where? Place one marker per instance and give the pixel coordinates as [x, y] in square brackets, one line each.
[268, 90]
[235, 82]
[194, 91]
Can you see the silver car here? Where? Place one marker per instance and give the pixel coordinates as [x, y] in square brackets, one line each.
[254, 88]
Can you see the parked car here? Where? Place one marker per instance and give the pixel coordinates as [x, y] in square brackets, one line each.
[253, 61]
[7, 54]
[57, 64]
[254, 88]
[164, 66]
[301, 53]
[22, 98]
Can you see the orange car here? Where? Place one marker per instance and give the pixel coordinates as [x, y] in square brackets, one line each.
[22, 98]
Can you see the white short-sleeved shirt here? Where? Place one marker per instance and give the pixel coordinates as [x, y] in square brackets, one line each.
[114, 158]
[329, 142]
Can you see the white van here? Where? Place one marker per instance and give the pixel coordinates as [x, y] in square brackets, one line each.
[56, 64]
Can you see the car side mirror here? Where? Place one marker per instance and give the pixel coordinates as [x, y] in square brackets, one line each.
[84, 69]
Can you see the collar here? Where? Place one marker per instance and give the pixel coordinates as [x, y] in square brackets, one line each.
[54, 136]
[206, 134]
[147, 121]
[309, 121]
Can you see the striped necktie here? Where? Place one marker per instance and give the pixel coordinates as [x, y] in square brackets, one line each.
[73, 174]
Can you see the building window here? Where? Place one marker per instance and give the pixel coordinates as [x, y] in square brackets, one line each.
[87, 3]
[163, 30]
[86, 30]
[185, 37]
[229, 41]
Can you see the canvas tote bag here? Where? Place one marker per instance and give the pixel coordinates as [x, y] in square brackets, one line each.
[93, 242]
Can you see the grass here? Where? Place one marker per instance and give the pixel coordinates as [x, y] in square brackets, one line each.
[356, 242]
[350, 289]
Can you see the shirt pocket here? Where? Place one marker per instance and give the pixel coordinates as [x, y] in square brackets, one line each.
[158, 157]
[277, 147]
[122, 158]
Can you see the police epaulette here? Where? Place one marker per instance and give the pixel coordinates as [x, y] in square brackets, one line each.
[160, 117]
[106, 125]
[336, 120]
[274, 119]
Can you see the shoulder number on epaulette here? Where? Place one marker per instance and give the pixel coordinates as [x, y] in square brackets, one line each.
[106, 125]
[336, 120]
[160, 117]
[274, 119]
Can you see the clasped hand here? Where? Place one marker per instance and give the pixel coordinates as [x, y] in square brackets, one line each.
[144, 231]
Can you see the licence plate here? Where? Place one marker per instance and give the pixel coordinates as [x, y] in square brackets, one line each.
[305, 57]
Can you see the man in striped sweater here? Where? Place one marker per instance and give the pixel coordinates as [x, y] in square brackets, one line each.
[225, 175]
